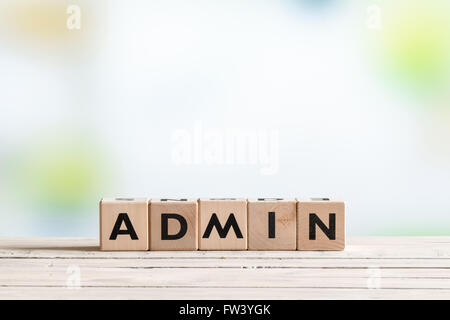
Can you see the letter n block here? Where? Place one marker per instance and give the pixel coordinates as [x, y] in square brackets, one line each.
[320, 224]
[173, 224]
[223, 224]
[124, 224]
[272, 224]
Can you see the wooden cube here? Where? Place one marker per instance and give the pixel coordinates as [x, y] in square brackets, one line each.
[223, 224]
[124, 224]
[320, 224]
[173, 224]
[272, 224]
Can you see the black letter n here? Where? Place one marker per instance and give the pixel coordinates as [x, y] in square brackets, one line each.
[330, 232]
[123, 217]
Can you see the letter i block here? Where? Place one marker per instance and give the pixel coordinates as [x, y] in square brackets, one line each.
[320, 224]
[173, 224]
[223, 224]
[272, 224]
[124, 224]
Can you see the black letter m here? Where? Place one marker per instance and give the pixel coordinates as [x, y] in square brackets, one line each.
[231, 222]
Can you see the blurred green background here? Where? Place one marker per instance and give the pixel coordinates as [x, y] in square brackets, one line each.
[358, 91]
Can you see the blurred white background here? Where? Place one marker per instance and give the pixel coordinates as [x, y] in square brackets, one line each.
[291, 98]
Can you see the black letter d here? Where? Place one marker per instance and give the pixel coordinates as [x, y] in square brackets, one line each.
[165, 226]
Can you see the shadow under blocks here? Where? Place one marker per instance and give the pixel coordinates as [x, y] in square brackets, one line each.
[141, 224]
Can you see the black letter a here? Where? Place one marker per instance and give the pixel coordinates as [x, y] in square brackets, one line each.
[329, 232]
[123, 217]
[231, 222]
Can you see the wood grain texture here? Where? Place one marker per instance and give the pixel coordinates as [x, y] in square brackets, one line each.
[224, 210]
[328, 212]
[284, 224]
[369, 268]
[186, 208]
[136, 210]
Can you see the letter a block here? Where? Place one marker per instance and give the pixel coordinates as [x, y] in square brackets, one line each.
[320, 224]
[124, 224]
[272, 224]
[173, 224]
[223, 224]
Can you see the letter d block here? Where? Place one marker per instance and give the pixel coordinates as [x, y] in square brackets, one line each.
[124, 224]
[223, 224]
[173, 224]
[320, 224]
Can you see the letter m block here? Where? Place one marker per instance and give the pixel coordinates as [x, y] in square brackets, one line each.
[223, 224]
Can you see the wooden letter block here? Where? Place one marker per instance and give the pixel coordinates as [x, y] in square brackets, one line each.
[272, 224]
[124, 224]
[223, 224]
[320, 224]
[173, 224]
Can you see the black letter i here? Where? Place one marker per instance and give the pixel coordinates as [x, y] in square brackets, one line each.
[271, 225]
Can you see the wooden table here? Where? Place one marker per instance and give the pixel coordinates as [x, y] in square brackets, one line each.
[369, 268]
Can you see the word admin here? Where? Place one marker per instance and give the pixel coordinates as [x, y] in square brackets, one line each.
[222, 224]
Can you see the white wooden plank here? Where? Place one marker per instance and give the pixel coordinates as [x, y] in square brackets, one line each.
[192, 263]
[217, 293]
[416, 267]
[237, 278]
[438, 251]
[11, 266]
